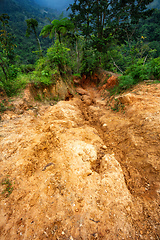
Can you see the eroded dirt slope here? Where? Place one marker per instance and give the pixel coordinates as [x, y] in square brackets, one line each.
[80, 170]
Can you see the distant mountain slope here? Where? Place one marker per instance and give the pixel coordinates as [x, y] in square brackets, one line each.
[155, 4]
[19, 11]
[57, 4]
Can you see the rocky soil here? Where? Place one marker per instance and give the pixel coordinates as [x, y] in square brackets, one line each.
[85, 169]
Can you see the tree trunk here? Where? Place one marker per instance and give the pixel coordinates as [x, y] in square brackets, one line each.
[4, 71]
[77, 51]
[59, 37]
[39, 44]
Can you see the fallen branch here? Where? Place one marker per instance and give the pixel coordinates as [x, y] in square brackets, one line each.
[145, 59]
[116, 65]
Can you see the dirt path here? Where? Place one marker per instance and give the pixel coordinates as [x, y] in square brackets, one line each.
[80, 170]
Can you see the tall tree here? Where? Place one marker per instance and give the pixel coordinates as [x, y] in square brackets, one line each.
[32, 25]
[6, 45]
[98, 20]
[57, 28]
[6, 38]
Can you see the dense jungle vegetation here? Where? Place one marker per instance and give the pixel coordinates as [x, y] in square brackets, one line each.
[39, 45]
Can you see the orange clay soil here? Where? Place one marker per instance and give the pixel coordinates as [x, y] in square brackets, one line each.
[80, 170]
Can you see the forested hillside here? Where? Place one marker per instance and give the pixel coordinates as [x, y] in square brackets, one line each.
[155, 4]
[60, 5]
[19, 11]
[150, 29]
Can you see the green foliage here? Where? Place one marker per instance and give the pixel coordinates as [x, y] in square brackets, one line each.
[32, 26]
[9, 71]
[56, 98]
[13, 71]
[155, 68]
[6, 39]
[19, 11]
[101, 20]
[89, 62]
[128, 54]
[15, 81]
[2, 107]
[14, 85]
[150, 29]
[139, 71]
[1, 84]
[136, 73]
[59, 27]
[117, 106]
[77, 75]
[93, 38]
[28, 68]
[41, 80]
[58, 56]
[55, 63]
[8, 187]
[6, 46]
[115, 53]
[125, 82]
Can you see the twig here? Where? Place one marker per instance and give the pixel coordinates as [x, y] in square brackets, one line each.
[94, 220]
[116, 65]
[49, 164]
[145, 59]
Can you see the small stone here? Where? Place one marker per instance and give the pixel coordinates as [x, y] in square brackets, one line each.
[104, 147]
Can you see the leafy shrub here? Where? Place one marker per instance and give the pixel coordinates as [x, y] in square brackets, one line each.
[27, 68]
[41, 80]
[139, 71]
[77, 75]
[57, 56]
[1, 84]
[90, 61]
[54, 64]
[2, 108]
[125, 82]
[155, 67]
[136, 73]
[14, 85]
[13, 71]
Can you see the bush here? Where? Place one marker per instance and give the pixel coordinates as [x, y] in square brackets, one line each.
[136, 73]
[44, 80]
[14, 85]
[90, 61]
[54, 64]
[125, 82]
[15, 81]
[27, 68]
[58, 56]
[155, 67]
[139, 71]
